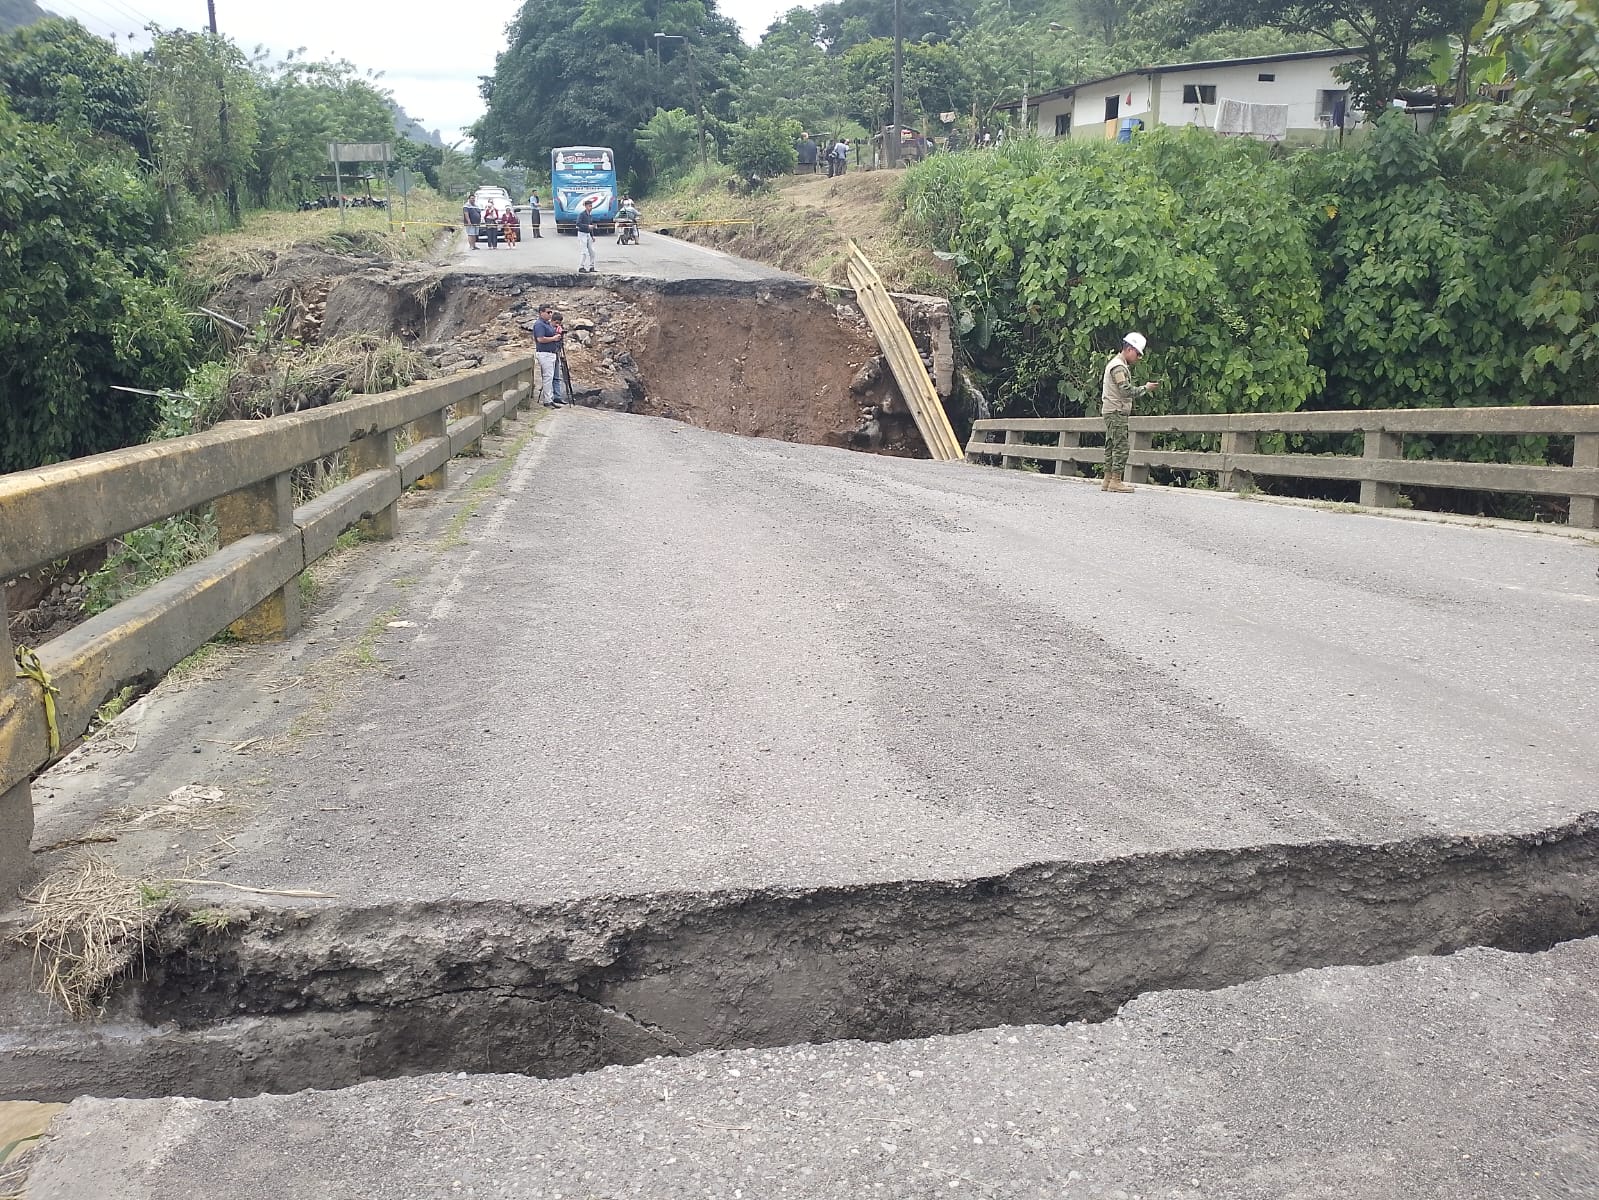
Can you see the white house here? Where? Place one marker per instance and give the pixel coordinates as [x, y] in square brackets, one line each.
[1190, 94]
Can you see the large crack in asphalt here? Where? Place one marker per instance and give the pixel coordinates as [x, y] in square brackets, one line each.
[328, 998]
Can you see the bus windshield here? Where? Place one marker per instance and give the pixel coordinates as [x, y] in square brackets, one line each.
[579, 173]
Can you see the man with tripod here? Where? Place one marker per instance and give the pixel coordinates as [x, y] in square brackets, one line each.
[549, 347]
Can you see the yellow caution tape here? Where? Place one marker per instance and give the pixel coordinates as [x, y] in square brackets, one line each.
[29, 667]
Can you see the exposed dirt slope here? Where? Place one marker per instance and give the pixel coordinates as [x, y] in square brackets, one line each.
[803, 223]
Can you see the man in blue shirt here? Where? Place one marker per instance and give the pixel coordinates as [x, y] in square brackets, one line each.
[585, 237]
[548, 338]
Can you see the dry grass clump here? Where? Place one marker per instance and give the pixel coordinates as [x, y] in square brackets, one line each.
[90, 927]
[272, 382]
[250, 251]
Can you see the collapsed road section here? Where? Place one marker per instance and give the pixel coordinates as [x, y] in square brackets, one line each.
[643, 741]
[780, 357]
[252, 999]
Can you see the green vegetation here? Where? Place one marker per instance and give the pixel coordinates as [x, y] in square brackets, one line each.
[85, 299]
[108, 165]
[1059, 249]
[764, 146]
[1394, 274]
[138, 559]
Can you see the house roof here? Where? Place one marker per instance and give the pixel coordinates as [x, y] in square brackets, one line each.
[1208, 64]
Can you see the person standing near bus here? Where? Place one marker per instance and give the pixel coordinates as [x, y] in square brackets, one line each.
[533, 214]
[585, 237]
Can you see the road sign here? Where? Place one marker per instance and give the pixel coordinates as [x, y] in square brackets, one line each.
[359, 152]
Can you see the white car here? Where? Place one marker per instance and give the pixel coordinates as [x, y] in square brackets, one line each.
[497, 196]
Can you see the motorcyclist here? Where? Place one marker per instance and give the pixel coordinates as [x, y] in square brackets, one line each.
[627, 218]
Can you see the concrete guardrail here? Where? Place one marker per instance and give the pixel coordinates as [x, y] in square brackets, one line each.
[249, 586]
[1381, 470]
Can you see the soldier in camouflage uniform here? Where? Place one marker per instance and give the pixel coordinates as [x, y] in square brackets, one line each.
[1116, 402]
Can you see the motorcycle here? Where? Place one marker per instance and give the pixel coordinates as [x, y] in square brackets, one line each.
[626, 229]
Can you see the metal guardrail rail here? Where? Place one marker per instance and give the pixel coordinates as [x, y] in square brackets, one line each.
[249, 585]
[1381, 470]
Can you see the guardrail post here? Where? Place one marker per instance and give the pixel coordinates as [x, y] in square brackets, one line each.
[425, 429]
[1380, 444]
[375, 452]
[265, 507]
[1013, 437]
[16, 801]
[1138, 443]
[1068, 441]
[1229, 479]
[472, 406]
[1585, 509]
[527, 384]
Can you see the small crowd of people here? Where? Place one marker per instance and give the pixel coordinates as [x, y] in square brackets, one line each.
[491, 223]
[810, 155]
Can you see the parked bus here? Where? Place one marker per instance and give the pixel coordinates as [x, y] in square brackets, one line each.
[579, 173]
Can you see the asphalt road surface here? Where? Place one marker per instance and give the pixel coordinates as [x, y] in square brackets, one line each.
[653, 657]
[1452, 1078]
[655, 257]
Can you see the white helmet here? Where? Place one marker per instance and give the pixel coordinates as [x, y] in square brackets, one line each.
[1136, 341]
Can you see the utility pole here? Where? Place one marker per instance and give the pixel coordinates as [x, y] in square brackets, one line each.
[899, 53]
[222, 109]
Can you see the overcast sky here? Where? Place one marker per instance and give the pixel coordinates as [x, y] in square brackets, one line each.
[431, 63]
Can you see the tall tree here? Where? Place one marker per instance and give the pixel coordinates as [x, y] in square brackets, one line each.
[1393, 36]
[83, 304]
[302, 107]
[590, 72]
[934, 79]
[790, 75]
[56, 72]
[191, 77]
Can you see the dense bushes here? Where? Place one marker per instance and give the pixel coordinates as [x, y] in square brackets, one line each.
[1425, 266]
[1063, 247]
[83, 302]
[1387, 275]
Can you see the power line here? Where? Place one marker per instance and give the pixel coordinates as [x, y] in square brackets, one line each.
[131, 13]
[89, 20]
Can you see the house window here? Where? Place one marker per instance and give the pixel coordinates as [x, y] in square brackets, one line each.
[1331, 106]
[1113, 107]
[1199, 93]
[1063, 125]
[1267, 77]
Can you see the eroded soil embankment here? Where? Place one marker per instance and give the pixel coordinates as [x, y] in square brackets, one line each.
[781, 359]
[284, 1000]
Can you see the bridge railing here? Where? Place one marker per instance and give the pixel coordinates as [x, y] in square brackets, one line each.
[1381, 470]
[249, 585]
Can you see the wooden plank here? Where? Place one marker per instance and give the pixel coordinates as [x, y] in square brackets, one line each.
[903, 360]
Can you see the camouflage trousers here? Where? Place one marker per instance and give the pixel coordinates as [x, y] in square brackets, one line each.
[1115, 443]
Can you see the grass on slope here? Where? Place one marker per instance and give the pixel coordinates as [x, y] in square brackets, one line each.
[803, 224]
[365, 232]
